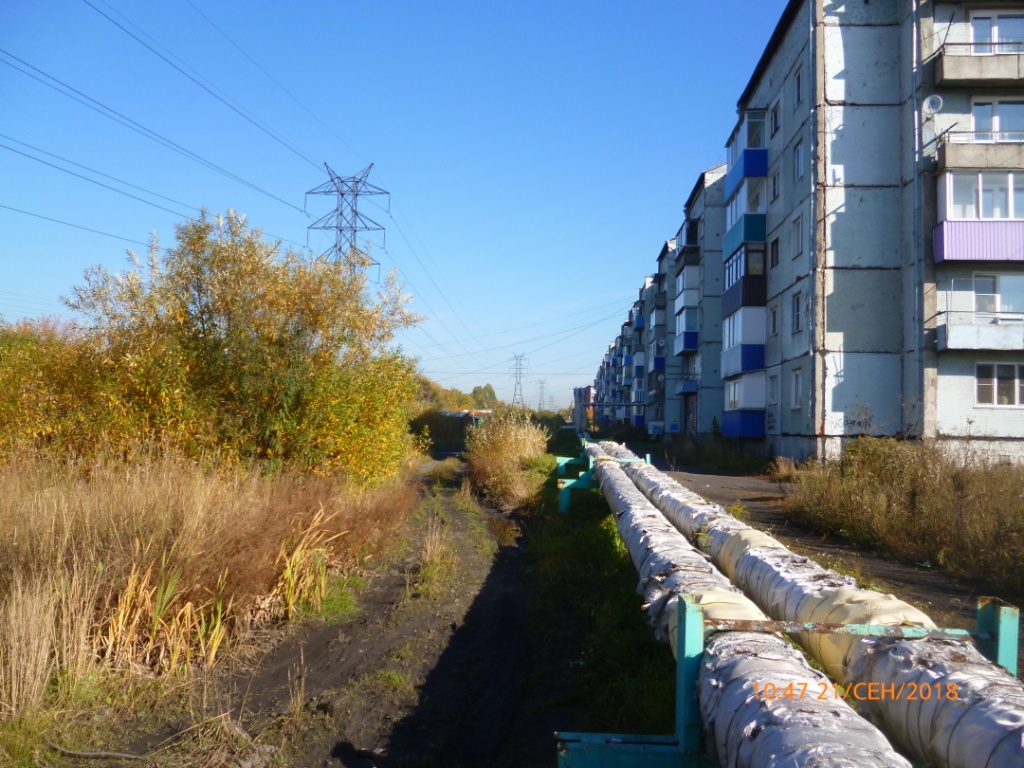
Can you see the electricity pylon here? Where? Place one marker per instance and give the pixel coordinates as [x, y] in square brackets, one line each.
[346, 220]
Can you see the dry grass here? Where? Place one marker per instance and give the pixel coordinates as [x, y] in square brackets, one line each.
[498, 450]
[922, 505]
[151, 568]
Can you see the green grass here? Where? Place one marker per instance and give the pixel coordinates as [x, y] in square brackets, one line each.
[624, 677]
[340, 599]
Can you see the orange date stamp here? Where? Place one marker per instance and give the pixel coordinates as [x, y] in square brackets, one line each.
[875, 691]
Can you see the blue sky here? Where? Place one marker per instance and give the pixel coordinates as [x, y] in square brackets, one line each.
[537, 153]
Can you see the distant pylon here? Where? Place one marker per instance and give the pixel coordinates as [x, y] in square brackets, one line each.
[346, 220]
[540, 394]
[517, 373]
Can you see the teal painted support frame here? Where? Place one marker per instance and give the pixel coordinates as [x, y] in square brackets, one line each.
[998, 632]
[684, 749]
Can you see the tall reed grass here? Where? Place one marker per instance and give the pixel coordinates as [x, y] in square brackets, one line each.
[921, 504]
[152, 568]
[498, 450]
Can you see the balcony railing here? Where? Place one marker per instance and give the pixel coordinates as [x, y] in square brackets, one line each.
[983, 49]
[970, 319]
[993, 63]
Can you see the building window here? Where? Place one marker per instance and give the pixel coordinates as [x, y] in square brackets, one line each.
[986, 195]
[797, 317]
[797, 384]
[774, 185]
[798, 160]
[773, 390]
[998, 121]
[732, 395]
[731, 331]
[773, 321]
[798, 87]
[773, 253]
[997, 33]
[774, 119]
[999, 384]
[797, 231]
[999, 295]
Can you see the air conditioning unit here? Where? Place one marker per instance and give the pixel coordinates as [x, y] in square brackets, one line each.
[661, 342]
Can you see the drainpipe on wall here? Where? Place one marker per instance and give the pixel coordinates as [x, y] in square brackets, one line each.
[819, 354]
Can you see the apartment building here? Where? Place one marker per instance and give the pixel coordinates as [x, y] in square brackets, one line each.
[698, 274]
[871, 274]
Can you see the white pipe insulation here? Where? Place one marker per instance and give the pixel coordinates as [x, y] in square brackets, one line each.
[744, 729]
[973, 716]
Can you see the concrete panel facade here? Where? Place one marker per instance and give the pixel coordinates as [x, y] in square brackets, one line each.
[862, 394]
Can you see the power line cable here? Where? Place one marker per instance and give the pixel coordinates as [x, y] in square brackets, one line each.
[127, 122]
[76, 226]
[271, 77]
[93, 181]
[206, 88]
[114, 178]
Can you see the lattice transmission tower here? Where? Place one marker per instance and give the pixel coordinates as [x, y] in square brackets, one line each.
[346, 220]
[518, 365]
[540, 394]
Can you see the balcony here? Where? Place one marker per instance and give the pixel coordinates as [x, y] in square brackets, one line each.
[975, 330]
[743, 423]
[688, 384]
[748, 228]
[689, 254]
[684, 343]
[750, 163]
[999, 63]
[748, 291]
[981, 149]
[742, 358]
[982, 312]
[987, 240]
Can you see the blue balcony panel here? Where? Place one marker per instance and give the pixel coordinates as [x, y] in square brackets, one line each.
[685, 342]
[659, 364]
[746, 423]
[751, 163]
[687, 386]
[627, 360]
[748, 228]
[638, 421]
[638, 322]
[742, 358]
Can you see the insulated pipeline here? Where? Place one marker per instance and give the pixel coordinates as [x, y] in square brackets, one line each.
[977, 718]
[744, 728]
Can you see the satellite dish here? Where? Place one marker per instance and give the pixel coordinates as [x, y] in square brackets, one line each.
[932, 105]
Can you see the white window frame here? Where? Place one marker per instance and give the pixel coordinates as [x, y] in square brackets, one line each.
[796, 229]
[995, 43]
[774, 121]
[995, 133]
[798, 87]
[797, 312]
[732, 395]
[773, 186]
[773, 389]
[798, 160]
[773, 321]
[1014, 181]
[1016, 388]
[796, 385]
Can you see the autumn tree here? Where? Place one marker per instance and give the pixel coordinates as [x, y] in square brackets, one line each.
[227, 343]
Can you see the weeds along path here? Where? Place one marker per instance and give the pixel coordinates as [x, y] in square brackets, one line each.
[437, 666]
